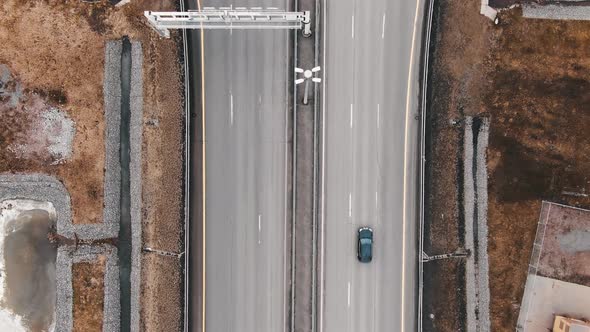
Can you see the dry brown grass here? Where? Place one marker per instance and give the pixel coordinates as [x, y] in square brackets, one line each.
[537, 96]
[56, 49]
[531, 78]
[88, 291]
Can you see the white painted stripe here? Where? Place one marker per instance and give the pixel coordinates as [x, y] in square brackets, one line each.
[351, 117]
[322, 178]
[231, 109]
[259, 228]
[350, 204]
[376, 200]
[383, 27]
[348, 294]
[287, 216]
[352, 27]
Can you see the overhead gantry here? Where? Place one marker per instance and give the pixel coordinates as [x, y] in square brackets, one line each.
[229, 18]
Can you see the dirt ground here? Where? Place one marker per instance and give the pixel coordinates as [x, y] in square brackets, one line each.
[162, 302]
[88, 287]
[531, 78]
[539, 144]
[457, 66]
[55, 50]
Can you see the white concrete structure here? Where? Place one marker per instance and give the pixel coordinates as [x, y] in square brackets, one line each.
[228, 18]
[488, 11]
[546, 297]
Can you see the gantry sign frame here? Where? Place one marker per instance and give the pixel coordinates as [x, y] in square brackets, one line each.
[228, 18]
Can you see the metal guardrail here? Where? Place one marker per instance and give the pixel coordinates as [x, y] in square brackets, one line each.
[424, 88]
[294, 185]
[187, 172]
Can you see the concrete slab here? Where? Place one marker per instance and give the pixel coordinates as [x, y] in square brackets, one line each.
[551, 297]
[564, 244]
[558, 279]
[487, 11]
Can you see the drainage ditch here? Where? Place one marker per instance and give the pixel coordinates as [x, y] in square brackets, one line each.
[124, 243]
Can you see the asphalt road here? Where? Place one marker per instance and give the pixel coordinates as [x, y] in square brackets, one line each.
[370, 154]
[246, 104]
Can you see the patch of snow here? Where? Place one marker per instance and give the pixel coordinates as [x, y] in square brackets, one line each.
[60, 132]
[51, 134]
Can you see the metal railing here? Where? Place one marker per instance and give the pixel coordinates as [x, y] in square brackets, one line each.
[187, 172]
[424, 88]
[227, 18]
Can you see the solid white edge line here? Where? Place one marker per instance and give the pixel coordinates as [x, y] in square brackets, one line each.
[286, 181]
[204, 175]
[404, 209]
[322, 215]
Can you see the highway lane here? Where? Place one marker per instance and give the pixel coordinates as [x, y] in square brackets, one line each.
[246, 175]
[370, 164]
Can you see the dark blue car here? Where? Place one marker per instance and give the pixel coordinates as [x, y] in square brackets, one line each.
[365, 244]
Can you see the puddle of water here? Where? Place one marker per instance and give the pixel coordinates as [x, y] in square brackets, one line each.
[28, 266]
